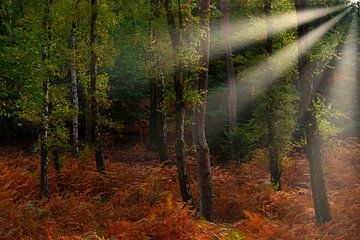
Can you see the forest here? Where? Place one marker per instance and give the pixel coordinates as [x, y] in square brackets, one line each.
[179, 119]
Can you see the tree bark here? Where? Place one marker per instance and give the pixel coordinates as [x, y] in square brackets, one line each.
[274, 168]
[157, 120]
[74, 87]
[174, 33]
[96, 129]
[224, 6]
[309, 122]
[57, 167]
[153, 116]
[203, 152]
[44, 189]
[88, 119]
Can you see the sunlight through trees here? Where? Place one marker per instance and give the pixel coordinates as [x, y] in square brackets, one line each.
[179, 119]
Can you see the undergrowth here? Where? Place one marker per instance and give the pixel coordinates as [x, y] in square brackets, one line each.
[135, 201]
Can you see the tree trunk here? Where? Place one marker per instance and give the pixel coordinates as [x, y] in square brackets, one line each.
[224, 5]
[309, 122]
[162, 147]
[57, 167]
[44, 189]
[153, 116]
[88, 119]
[203, 152]
[99, 157]
[74, 88]
[179, 105]
[157, 121]
[275, 171]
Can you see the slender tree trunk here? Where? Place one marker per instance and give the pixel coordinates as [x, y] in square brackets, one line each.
[275, 171]
[269, 42]
[224, 5]
[44, 190]
[99, 157]
[153, 84]
[309, 122]
[57, 167]
[203, 152]
[89, 111]
[153, 116]
[157, 121]
[88, 119]
[179, 104]
[57, 164]
[74, 89]
[162, 147]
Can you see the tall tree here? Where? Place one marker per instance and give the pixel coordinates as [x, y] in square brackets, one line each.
[95, 114]
[45, 115]
[224, 7]
[309, 122]
[157, 121]
[275, 172]
[175, 38]
[74, 84]
[203, 152]
[89, 121]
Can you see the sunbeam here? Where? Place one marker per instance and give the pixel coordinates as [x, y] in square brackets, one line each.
[179, 119]
[342, 92]
[284, 58]
[279, 63]
[280, 23]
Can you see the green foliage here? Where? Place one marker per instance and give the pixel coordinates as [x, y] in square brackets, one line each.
[23, 72]
[331, 121]
[61, 115]
[106, 123]
[129, 85]
[326, 116]
[245, 138]
[284, 111]
[125, 66]
[234, 235]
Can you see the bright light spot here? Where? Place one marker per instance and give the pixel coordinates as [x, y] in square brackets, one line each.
[283, 59]
[343, 87]
[279, 63]
[247, 32]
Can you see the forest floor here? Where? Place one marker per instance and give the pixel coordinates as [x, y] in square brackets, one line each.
[138, 198]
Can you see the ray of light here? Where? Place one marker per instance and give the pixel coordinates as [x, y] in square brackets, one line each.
[279, 63]
[248, 32]
[342, 90]
[283, 59]
[342, 93]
